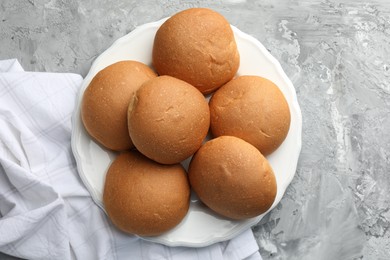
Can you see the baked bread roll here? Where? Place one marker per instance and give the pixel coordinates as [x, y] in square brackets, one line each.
[143, 197]
[168, 119]
[252, 108]
[106, 99]
[232, 178]
[197, 45]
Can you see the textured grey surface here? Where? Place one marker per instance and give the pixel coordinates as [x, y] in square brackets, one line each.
[337, 54]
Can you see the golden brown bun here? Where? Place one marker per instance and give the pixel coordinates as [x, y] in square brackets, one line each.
[197, 45]
[168, 119]
[232, 178]
[143, 197]
[106, 99]
[251, 108]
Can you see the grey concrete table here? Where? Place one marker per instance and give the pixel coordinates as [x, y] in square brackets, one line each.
[338, 56]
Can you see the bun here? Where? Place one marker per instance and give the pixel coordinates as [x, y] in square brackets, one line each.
[106, 99]
[168, 119]
[253, 109]
[197, 45]
[143, 197]
[232, 178]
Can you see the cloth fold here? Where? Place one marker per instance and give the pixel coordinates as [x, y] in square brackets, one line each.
[45, 210]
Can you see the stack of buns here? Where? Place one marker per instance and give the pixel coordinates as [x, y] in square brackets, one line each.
[156, 120]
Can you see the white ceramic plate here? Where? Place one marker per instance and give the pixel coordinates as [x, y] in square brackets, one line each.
[201, 227]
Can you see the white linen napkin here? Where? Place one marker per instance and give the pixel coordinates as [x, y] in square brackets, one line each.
[45, 210]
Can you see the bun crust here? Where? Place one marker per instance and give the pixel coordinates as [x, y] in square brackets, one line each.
[197, 45]
[251, 108]
[232, 178]
[143, 197]
[168, 119]
[106, 99]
